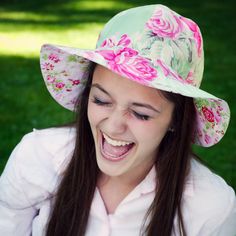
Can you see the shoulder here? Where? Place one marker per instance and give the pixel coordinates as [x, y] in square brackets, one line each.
[212, 202]
[51, 145]
[51, 138]
[34, 167]
[208, 185]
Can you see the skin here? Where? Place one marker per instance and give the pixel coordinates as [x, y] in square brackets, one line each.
[126, 111]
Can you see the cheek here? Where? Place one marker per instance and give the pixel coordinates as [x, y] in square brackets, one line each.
[149, 134]
[92, 114]
[95, 114]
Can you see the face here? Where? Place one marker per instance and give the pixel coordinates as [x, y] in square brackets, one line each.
[128, 122]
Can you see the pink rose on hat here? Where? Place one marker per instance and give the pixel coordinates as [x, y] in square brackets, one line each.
[208, 139]
[47, 66]
[208, 114]
[196, 33]
[54, 57]
[111, 42]
[127, 62]
[50, 79]
[60, 85]
[74, 81]
[164, 25]
[169, 73]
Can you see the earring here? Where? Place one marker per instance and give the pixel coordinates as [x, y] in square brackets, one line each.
[171, 129]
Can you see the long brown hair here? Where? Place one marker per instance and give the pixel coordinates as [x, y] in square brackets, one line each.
[70, 211]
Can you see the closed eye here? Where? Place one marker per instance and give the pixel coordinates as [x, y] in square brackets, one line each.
[141, 116]
[100, 102]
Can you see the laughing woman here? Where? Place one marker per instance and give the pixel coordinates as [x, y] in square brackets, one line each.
[126, 166]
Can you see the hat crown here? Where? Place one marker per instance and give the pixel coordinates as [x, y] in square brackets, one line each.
[172, 43]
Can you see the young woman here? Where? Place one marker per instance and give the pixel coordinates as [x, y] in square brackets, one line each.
[126, 166]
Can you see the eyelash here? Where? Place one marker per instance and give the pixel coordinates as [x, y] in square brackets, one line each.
[99, 102]
[140, 116]
[137, 115]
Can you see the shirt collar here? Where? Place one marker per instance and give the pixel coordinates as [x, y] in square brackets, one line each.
[149, 183]
[147, 186]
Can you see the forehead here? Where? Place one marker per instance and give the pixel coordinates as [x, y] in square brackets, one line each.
[121, 87]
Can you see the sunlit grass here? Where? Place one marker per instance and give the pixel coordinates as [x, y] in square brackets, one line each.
[23, 32]
[71, 23]
[29, 16]
[28, 43]
[95, 5]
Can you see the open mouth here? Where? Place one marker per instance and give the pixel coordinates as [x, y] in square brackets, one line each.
[115, 150]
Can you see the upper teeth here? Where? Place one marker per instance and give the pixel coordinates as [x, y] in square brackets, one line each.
[115, 142]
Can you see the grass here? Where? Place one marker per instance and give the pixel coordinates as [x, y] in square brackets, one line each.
[25, 26]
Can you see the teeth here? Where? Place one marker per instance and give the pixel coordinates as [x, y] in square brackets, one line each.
[115, 142]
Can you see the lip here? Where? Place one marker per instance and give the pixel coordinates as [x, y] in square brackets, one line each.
[109, 158]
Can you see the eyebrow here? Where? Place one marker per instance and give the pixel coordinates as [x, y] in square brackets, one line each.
[137, 104]
[145, 106]
[101, 88]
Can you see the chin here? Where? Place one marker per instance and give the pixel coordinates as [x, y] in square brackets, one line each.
[110, 168]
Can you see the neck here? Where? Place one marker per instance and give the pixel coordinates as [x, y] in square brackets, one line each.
[127, 180]
[114, 189]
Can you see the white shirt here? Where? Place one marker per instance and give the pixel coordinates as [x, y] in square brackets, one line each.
[34, 170]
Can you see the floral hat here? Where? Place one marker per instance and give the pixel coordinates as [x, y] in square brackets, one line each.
[151, 45]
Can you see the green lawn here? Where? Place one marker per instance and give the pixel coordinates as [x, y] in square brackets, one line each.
[26, 25]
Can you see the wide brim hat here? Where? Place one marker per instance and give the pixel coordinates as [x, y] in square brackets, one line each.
[151, 45]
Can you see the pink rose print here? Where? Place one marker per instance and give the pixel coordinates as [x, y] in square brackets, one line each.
[128, 63]
[60, 85]
[47, 66]
[196, 32]
[75, 81]
[208, 114]
[124, 41]
[219, 108]
[111, 42]
[199, 133]
[54, 57]
[108, 43]
[190, 79]
[50, 79]
[167, 72]
[73, 101]
[218, 116]
[164, 25]
[208, 139]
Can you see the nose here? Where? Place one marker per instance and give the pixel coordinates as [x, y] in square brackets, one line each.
[116, 122]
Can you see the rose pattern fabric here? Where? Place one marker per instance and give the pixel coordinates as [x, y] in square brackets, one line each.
[164, 25]
[58, 77]
[126, 61]
[168, 26]
[164, 52]
[208, 114]
[196, 33]
[111, 42]
[54, 58]
[212, 119]
[168, 72]
[129, 64]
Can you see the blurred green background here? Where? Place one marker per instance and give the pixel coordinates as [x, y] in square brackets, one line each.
[26, 25]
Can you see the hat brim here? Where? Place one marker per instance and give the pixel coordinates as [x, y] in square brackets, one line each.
[65, 71]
